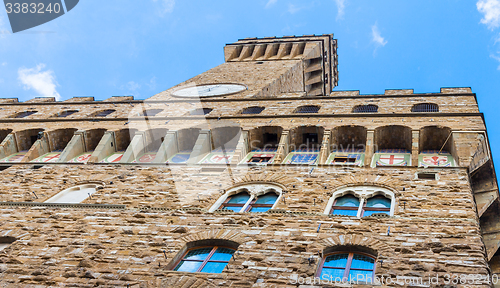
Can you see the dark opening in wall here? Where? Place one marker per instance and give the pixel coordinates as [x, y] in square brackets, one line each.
[253, 110]
[307, 109]
[425, 107]
[60, 138]
[264, 137]
[306, 138]
[92, 138]
[26, 138]
[4, 133]
[23, 114]
[271, 139]
[103, 113]
[348, 138]
[66, 113]
[123, 138]
[393, 137]
[370, 108]
[426, 176]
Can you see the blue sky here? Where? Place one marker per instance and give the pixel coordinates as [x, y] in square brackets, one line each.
[120, 47]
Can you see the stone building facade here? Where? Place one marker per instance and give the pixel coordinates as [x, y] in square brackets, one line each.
[260, 171]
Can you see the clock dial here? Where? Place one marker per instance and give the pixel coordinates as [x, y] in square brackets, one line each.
[209, 90]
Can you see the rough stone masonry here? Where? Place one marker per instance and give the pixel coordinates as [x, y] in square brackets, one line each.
[155, 176]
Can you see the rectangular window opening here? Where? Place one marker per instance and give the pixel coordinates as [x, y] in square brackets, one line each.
[427, 176]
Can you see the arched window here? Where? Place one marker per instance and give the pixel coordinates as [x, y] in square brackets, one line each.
[361, 201]
[65, 113]
[104, 113]
[243, 202]
[347, 266]
[212, 259]
[370, 108]
[263, 203]
[307, 109]
[346, 205]
[23, 114]
[252, 110]
[150, 112]
[201, 111]
[425, 107]
[236, 202]
[259, 197]
[377, 204]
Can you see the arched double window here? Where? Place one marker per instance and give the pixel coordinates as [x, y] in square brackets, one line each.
[249, 198]
[211, 259]
[343, 266]
[361, 201]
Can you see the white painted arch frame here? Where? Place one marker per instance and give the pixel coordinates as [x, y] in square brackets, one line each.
[254, 189]
[363, 193]
[75, 194]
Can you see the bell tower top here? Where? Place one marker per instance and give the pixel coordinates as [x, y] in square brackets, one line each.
[318, 54]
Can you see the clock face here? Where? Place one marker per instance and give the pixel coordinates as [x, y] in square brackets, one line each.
[209, 90]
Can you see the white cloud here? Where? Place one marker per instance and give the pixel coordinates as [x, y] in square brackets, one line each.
[376, 37]
[133, 86]
[152, 83]
[496, 57]
[270, 3]
[43, 82]
[167, 6]
[3, 28]
[491, 11]
[292, 9]
[340, 8]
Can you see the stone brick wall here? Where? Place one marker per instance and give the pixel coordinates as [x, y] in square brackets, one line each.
[435, 231]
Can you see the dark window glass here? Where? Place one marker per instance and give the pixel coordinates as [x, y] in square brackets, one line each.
[425, 107]
[24, 114]
[365, 109]
[271, 139]
[104, 113]
[66, 113]
[252, 110]
[307, 109]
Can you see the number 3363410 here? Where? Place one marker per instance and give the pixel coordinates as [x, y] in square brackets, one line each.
[32, 8]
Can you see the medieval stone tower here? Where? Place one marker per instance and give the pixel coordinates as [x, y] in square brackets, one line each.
[252, 174]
